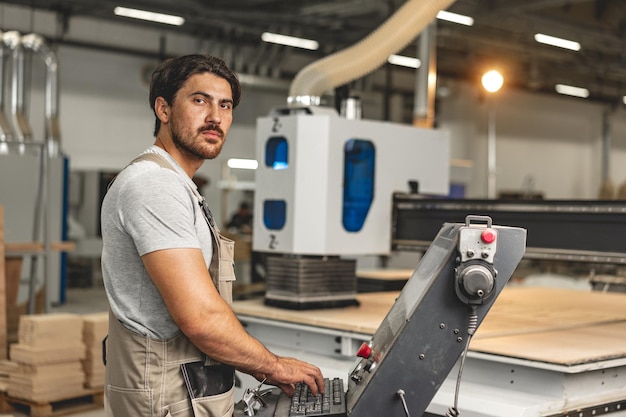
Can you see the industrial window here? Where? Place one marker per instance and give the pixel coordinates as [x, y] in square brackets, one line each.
[358, 182]
[274, 214]
[277, 153]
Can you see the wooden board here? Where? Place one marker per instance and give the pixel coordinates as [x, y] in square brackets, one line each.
[385, 274]
[532, 309]
[362, 319]
[584, 344]
[559, 326]
[25, 248]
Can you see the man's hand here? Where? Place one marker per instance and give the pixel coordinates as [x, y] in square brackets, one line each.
[289, 371]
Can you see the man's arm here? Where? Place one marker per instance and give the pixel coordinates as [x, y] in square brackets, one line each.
[210, 324]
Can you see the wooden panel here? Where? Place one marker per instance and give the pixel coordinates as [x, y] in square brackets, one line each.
[385, 274]
[532, 309]
[584, 344]
[559, 326]
[37, 247]
[362, 319]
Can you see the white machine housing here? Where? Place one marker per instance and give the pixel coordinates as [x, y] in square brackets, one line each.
[312, 183]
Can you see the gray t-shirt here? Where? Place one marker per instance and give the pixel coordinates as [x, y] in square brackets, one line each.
[147, 208]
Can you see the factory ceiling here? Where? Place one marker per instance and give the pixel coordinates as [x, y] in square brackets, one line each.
[502, 35]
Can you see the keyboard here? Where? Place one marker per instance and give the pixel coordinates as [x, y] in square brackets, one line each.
[331, 403]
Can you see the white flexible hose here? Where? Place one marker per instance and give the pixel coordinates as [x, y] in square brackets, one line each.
[368, 54]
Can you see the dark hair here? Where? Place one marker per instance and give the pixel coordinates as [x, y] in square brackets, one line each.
[171, 74]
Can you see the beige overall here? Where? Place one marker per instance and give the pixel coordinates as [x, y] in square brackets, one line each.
[144, 377]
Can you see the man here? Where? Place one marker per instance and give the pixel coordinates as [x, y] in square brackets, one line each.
[174, 341]
[241, 220]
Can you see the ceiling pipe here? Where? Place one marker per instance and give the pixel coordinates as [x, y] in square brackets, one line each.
[367, 55]
[52, 129]
[426, 80]
[21, 127]
[6, 131]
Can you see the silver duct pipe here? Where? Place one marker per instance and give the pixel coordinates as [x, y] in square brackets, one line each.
[606, 145]
[21, 127]
[367, 55]
[37, 44]
[6, 131]
[426, 80]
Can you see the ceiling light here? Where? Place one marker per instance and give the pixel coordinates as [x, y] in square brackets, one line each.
[624, 99]
[405, 61]
[561, 43]
[151, 16]
[290, 41]
[572, 91]
[238, 163]
[492, 81]
[455, 18]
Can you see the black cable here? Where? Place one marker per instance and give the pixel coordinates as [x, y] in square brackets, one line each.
[471, 329]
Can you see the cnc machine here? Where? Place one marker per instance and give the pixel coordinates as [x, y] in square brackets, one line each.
[324, 189]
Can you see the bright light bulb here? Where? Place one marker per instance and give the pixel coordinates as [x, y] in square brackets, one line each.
[239, 163]
[492, 81]
[289, 41]
[455, 18]
[570, 90]
[559, 42]
[404, 61]
[150, 16]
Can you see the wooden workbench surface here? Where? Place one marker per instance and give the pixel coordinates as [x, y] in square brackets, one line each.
[566, 327]
[558, 326]
[362, 319]
[385, 274]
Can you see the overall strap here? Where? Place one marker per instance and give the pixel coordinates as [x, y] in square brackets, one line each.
[208, 216]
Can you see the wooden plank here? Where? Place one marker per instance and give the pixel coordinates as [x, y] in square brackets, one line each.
[385, 274]
[516, 311]
[583, 344]
[26, 248]
[521, 310]
[560, 326]
[362, 319]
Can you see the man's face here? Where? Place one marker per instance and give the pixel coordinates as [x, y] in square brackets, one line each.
[201, 115]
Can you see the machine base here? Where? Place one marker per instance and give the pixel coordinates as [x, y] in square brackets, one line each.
[311, 305]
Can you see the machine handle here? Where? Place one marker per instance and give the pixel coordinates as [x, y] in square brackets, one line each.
[482, 219]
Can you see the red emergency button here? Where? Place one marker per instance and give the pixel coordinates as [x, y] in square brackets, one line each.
[488, 236]
[364, 351]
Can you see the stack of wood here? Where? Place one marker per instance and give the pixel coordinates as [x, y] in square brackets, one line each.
[48, 353]
[7, 367]
[95, 328]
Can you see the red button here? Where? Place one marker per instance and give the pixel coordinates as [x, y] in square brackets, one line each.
[364, 351]
[488, 236]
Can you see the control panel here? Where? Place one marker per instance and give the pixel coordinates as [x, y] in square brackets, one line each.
[433, 319]
[475, 273]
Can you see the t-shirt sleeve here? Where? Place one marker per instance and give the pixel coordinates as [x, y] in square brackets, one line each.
[158, 212]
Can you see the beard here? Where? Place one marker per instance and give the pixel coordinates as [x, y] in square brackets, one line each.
[195, 145]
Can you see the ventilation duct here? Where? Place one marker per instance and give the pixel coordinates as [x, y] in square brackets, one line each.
[21, 128]
[426, 82]
[367, 55]
[52, 129]
[6, 131]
